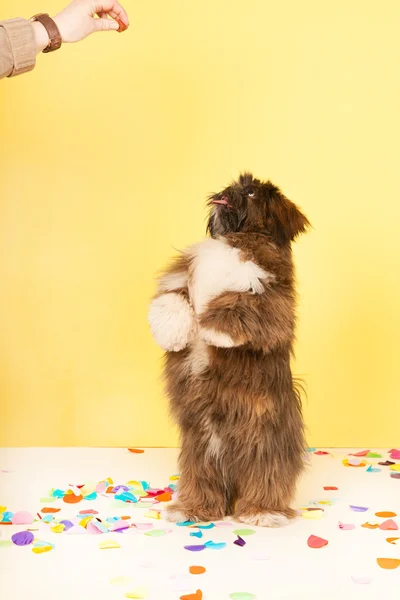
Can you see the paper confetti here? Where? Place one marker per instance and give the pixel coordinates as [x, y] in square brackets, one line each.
[330, 487]
[388, 563]
[395, 454]
[358, 508]
[395, 475]
[195, 548]
[346, 526]
[140, 592]
[388, 525]
[240, 541]
[136, 450]
[374, 455]
[313, 514]
[108, 544]
[23, 538]
[362, 580]
[372, 469]
[50, 510]
[215, 546]
[321, 453]
[198, 534]
[395, 467]
[386, 514]
[5, 543]
[354, 462]
[22, 518]
[361, 453]
[316, 542]
[387, 463]
[76, 530]
[393, 540]
[156, 532]
[197, 570]
[244, 532]
[370, 525]
[42, 549]
[241, 596]
[197, 596]
[72, 498]
[59, 528]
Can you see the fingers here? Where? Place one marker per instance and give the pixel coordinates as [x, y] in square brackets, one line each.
[115, 10]
[105, 25]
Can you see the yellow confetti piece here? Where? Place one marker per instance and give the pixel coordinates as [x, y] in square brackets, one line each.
[108, 544]
[3, 509]
[313, 514]
[120, 580]
[110, 481]
[59, 528]
[41, 549]
[174, 477]
[140, 592]
[152, 514]
[85, 521]
[395, 467]
[327, 502]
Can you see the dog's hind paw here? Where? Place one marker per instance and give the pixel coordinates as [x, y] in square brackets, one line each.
[265, 519]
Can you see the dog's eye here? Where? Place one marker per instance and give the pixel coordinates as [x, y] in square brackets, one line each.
[251, 194]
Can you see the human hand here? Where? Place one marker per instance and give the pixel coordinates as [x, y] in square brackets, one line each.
[78, 19]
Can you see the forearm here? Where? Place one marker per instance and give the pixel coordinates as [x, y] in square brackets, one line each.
[234, 319]
[17, 47]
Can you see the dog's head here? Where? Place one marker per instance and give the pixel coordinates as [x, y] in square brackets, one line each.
[253, 206]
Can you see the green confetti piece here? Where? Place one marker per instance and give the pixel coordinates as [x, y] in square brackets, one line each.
[117, 504]
[374, 455]
[156, 532]
[47, 500]
[243, 532]
[5, 543]
[241, 596]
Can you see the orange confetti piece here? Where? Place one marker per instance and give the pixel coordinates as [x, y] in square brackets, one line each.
[386, 514]
[388, 563]
[72, 499]
[197, 596]
[390, 540]
[136, 450]
[166, 497]
[50, 510]
[370, 525]
[197, 570]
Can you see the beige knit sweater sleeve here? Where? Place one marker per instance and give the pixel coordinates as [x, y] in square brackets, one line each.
[17, 47]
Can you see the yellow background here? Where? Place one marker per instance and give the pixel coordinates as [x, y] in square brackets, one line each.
[107, 152]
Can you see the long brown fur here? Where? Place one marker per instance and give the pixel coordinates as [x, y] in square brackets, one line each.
[238, 411]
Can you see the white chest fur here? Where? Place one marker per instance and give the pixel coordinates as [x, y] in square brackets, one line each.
[217, 267]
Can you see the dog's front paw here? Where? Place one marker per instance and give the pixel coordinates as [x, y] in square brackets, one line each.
[178, 512]
[171, 321]
[267, 519]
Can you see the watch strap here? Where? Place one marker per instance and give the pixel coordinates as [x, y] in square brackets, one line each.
[55, 39]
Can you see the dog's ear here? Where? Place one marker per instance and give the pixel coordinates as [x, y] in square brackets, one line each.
[285, 221]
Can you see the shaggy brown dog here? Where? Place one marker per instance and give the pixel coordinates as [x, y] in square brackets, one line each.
[225, 314]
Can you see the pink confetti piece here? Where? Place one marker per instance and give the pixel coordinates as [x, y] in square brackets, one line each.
[395, 454]
[223, 524]
[362, 580]
[90, 511]
[389, 525]
[361, 453]
[316, 542]
[23, 538]
[22, 517]
[143, 526]
[119, 525]
[346, 526]
[76, 530]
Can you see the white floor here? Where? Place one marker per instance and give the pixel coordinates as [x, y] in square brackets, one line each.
[273, 565]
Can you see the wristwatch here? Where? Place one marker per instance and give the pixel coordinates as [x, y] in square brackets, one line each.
[55, 39]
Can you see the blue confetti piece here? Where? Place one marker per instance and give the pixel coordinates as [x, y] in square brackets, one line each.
[58, 494]
[185, 523]
[91, 496]
[210, 526]
[41, 543]
[7, 516]
[126, 497]
[311, 449]
[372, 469]
[47, 518]
[198, 534]
[215, 546]
[145, 485]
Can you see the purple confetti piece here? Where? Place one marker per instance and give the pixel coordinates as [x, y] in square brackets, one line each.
[23, 538]
[67, 524]
[239, 542]
[358, 508]
[395, 475]
[119, 525]
[124, 488]
[195, 548]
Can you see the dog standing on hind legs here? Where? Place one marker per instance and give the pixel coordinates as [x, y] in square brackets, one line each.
[224, 312]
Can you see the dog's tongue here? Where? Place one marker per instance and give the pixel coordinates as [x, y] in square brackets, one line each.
[223, 201]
